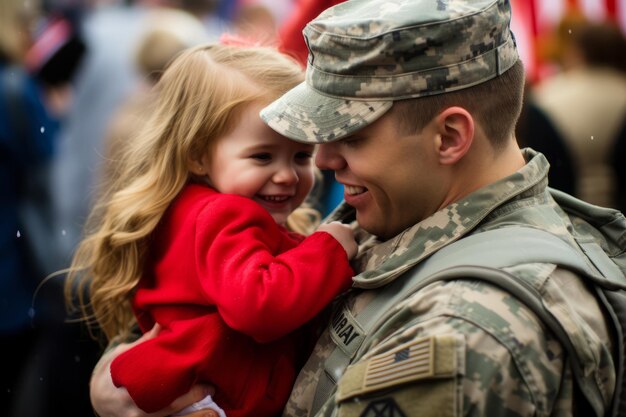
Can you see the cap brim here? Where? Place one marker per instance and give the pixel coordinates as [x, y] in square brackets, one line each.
[304, 115]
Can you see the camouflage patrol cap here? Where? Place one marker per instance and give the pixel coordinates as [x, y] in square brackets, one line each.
[364, 54]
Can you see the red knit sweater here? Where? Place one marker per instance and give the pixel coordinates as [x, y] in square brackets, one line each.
[229, 287]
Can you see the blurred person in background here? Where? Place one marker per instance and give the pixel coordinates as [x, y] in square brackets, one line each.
[33, 97]
[586, 101]
[61, 360]
[535, 130]
[57, 359]
[170, 32]
[255, 21]
[107, 78]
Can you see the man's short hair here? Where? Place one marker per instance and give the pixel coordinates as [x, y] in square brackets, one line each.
[495, 104]
[366, 54]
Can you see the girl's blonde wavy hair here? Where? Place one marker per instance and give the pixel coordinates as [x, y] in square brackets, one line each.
[198, 99]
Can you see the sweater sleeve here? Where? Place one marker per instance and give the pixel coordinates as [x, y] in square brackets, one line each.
[204, 349]
[259, 288]
[158, 371]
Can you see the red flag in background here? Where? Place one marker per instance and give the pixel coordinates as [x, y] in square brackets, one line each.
[535, 21]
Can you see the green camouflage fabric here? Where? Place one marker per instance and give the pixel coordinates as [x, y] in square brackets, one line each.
[365, 54]
[506, 364]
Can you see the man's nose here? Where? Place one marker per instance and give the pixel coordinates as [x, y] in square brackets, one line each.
[327, 157]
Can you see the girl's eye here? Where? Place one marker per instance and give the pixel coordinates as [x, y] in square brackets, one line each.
[304, 155]
[262, 156]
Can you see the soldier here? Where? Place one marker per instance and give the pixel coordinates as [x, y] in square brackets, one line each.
[414, 105]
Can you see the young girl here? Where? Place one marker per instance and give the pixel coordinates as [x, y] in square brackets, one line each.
[193, 236]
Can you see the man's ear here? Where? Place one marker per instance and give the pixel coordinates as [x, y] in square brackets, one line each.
[455, 126]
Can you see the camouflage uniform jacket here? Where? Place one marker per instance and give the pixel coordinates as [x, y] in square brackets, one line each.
[489, 355]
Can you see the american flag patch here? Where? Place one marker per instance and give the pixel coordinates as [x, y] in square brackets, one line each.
[408, 362]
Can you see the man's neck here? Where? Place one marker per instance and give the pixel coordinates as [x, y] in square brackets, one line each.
[482, 168]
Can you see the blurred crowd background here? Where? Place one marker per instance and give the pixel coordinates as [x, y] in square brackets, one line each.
[75, 83]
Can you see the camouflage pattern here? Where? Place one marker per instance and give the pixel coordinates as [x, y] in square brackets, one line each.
[363, 55]
[511, 365]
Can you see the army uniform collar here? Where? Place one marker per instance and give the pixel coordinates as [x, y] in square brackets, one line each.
[382, 262]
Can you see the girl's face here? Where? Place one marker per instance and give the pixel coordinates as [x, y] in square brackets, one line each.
[254, 161]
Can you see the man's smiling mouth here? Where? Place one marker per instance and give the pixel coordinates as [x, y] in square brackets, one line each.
[354, 190]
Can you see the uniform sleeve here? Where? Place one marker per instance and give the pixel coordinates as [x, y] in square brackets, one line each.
[486, 355]
[262, 285]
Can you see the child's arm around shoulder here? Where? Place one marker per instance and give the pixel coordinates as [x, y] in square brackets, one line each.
[264, 282]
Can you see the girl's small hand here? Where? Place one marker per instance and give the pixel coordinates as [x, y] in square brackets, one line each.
[344, 235]
[110, 401]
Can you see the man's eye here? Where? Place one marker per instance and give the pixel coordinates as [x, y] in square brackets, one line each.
[262, 156]
[351, 141]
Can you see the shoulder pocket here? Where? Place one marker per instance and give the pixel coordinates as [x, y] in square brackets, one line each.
[420, 378]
